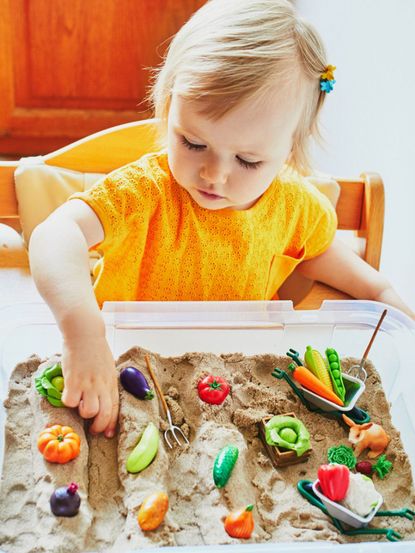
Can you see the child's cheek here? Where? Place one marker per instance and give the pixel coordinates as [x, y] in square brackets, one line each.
[181, 166]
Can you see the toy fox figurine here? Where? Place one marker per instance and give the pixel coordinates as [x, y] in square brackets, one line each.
[367, 436]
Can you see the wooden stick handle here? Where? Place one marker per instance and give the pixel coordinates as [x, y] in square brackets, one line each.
[156, 384]
[374, 335]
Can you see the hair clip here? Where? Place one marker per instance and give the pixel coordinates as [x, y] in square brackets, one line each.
[327, 79]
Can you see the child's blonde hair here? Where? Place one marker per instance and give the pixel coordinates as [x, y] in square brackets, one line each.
[233, 50]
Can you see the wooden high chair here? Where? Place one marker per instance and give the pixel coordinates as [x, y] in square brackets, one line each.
[360, 207]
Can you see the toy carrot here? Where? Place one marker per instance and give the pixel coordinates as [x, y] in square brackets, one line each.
[307, 379]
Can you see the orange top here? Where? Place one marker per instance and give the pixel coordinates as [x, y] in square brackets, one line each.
[161, 245]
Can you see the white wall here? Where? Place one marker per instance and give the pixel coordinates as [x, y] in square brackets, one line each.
[369, 118]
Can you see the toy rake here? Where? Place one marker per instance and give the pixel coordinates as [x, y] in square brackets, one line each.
[173, 430]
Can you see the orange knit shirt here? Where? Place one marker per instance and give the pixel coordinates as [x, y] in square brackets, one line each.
[161, 245]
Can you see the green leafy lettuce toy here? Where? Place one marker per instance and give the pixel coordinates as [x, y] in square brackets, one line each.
[289, 433]
[342, 455]
[50, 385]
[382, 467]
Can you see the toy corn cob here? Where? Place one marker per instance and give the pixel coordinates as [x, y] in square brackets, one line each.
[335, 372]
[317, 366]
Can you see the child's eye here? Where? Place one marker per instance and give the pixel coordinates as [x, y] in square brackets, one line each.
[248, 164]
[199, 147]
[192, 146]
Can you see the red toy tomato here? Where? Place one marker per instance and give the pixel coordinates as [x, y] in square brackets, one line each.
[334, 481]
[213, 389]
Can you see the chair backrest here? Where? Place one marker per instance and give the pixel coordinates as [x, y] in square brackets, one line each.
[360, 207]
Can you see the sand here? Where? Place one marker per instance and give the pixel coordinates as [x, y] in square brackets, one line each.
[111, 497]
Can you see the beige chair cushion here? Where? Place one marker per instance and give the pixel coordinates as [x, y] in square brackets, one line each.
[41, 188]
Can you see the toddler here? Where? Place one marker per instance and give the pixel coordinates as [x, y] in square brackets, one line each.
[221, 212]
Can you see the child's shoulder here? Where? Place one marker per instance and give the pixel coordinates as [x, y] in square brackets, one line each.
[311, 189]
[151, 167]
[138, 185]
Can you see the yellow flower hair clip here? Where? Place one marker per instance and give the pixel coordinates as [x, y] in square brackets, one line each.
[327, 79]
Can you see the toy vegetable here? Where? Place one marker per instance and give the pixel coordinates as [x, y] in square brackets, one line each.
[361, 495]
[145, 451]
[335, 371]
[334, 481]
[50, 385]
[65, 501]
[152, 511]
[135, 382]
[342, 455]
[307, 379]
[224, 464]
[213, 389]
[59, 444]
[287, 432]
[317, 366]
[240, 524]
[364, 467]
[382, 467]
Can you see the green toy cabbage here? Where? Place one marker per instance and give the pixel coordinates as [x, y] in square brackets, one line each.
[50, 385]
[289, 433]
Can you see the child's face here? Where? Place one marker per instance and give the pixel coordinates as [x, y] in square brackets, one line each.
[229, 163]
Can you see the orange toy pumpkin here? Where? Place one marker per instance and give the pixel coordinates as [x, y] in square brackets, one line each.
[59, 444]
[240, 524]
[152, 511]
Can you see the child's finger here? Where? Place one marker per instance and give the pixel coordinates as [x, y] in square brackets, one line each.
[89, 405]
[71, 396]
[110, 430]
[104, 415]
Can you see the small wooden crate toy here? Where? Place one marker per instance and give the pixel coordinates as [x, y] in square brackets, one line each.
[281, 457]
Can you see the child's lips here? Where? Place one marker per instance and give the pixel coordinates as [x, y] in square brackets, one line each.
[209, 195]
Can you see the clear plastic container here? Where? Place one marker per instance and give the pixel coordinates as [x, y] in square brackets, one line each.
[173, 328]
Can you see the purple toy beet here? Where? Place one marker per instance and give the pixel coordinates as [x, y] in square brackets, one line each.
[65, 501]
[364, 467]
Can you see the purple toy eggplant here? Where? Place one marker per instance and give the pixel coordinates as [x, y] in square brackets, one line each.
[135, 382]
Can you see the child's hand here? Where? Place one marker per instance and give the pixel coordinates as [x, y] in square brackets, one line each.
[91, 382]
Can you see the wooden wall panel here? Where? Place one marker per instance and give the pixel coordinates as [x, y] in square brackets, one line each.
[74, 67]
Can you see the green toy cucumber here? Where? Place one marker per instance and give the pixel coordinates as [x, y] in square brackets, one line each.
[335, 371]
[223, 465]
[145, 451]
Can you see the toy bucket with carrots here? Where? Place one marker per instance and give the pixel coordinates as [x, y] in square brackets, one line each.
[322, 381]
[354, 389]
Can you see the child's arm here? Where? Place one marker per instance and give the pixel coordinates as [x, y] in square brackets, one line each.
[58, 252]
[340, 267]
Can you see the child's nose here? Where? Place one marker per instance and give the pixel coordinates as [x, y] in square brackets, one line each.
[214, 173]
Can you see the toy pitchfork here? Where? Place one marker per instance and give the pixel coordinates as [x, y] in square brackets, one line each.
[174, 430]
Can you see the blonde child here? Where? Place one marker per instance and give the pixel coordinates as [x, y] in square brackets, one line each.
[218, 214]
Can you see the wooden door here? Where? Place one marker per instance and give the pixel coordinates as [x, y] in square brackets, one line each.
[69, 68]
